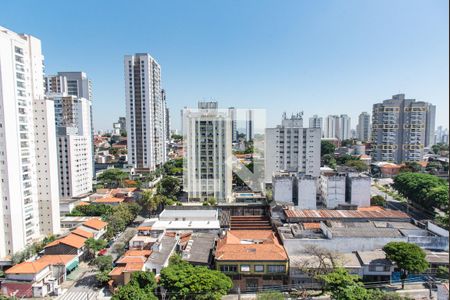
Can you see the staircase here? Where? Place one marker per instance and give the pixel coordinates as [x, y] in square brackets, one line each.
[250, 223]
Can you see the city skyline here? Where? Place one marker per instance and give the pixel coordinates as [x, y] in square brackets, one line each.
[310, 70]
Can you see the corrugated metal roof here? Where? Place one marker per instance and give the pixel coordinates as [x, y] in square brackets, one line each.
[344, 214]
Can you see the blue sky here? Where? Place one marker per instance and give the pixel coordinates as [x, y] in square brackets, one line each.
[320, 57]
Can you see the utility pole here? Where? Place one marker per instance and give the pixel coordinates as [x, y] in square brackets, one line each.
[239, 292]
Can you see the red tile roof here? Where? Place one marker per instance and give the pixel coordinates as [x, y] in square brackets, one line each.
[250, 245]
[145, 253]
[82, 233]
[96, 224]
[134, 266]
[27, 268]
[72, 240]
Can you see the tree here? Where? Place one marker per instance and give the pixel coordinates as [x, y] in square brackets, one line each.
[438, 197]
[377, 200]
[326, 148]
[112, 177]
[103, 276]
[104, 263]
[329, 160]
[342, 285]
[408, 257]
[442, 272]
[359, 165]
[182, 279]
[132, 292]
[417, 186]
[169, 186]
[144, 280]
[347, 143]
[411, 166]
[321, 261]
[93, 245]
[271, 295]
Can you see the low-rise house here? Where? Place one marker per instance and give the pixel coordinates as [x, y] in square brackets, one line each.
[113, 201]
[71, 244]
[83, 233]
[198, 248]
[162, 250]
[96, 226]
[304, 267]
[376, 267]
[131, 261]
[38, 278]
[252, 258]
[200, 220]
[70, 222]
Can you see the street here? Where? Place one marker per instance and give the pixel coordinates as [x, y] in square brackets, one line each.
[402, 206]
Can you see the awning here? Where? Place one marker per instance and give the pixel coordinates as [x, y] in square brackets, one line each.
[72, 265]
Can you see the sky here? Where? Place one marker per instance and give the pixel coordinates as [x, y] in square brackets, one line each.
[319, 57]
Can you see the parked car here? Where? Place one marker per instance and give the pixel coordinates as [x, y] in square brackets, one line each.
[102, 252]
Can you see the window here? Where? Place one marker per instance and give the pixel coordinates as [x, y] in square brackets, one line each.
[228, 268]
[276, 269]
[245, 268]
[259, 268]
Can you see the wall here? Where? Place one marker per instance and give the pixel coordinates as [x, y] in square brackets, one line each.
[307, 193]
[283, 189]
[296, 246]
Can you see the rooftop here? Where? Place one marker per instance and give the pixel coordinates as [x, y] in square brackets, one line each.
[72, 240]
[159, 257]
[96, 224]
[27, 268]
[326, 214]
[250, 245]
[373, 257]
[199, 248]
[107, 200]
[82, 233]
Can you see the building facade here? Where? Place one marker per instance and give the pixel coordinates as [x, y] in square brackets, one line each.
[73, 124]
[316, 122]
[401, 128]
[363, 129]
[145, 112]
[21, 105]
[207, 133]
[292, 148]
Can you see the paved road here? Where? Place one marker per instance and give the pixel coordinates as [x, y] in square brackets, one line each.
[123, 238]
[402, 206]
[84, 289]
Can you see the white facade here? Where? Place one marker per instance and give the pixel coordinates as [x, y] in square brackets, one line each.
[363, 128]
[332, 190]
[292, 148]
[344, 132]
[145, 112]
[306, 192]
[207, 138]
[358, 190]
[21, 83]
[283, 189]
[74, 140]
[47, 166]
[75, 164]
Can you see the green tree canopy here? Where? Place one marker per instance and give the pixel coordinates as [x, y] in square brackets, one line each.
[144, 280]
[417, 186]
[104, 263]
[377, 200]
[112, 177]
[358, 165]
[169, 186]
[408, 257]
[132, 292]
[326, 148]
[182, 280]
[342, 285]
